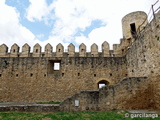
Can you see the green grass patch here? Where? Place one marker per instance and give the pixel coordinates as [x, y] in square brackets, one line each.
[110, 115]
[51, 102]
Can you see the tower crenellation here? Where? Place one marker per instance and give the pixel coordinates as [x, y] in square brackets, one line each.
[3, 50]
[37, 50]
[94, 50]
[48, 50]
[25, 50]
[71, 50]
[14, 52]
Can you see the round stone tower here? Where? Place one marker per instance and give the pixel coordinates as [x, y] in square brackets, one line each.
[131, 22]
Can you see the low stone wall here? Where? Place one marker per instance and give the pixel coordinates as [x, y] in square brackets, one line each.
[18, 107]
[130, 93]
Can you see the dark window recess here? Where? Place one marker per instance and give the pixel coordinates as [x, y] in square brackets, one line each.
[126, 74]
[59, 50]
[0, 75]
[133, 29]
[43, 55]
[14, 50]
[36, 50]
[94, 75]
[82, 50]
[62, 74]
[31, 74]
[78, 74]
[16, 75]
[45, 75]
[110, 74]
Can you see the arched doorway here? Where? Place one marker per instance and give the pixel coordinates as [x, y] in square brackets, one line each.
[102, 83]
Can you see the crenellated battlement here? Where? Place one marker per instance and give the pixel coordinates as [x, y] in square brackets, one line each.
[48, 50]
[38, 74]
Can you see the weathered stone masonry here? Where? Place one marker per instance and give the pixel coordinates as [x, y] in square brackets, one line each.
[31, 78]
[131, 69]
[135, 91]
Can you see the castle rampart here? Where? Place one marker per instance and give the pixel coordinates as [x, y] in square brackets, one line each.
[54, 76]
[33, 78]
[119, 50]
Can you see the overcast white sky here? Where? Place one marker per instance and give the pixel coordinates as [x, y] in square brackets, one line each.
[65, 21]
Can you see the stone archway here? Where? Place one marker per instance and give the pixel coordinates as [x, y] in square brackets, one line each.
[102, 83]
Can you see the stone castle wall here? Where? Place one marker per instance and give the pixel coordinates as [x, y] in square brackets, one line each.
[29, 80]
[32, 77]
[132, 93]
[135, 91]
[143, 57]
[127, 94]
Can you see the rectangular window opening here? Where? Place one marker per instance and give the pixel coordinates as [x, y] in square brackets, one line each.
[31, 74]
[94, 75]
[62, 74]
[133, 29]
[56, 66]
[76, 103]
[82, 50]
[0, 75]
[78, 74]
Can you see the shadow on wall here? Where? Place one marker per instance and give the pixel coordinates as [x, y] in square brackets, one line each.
[129, 93]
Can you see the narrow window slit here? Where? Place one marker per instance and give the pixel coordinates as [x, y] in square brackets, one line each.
[31, 74]
[62, 74]
[110, 74]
